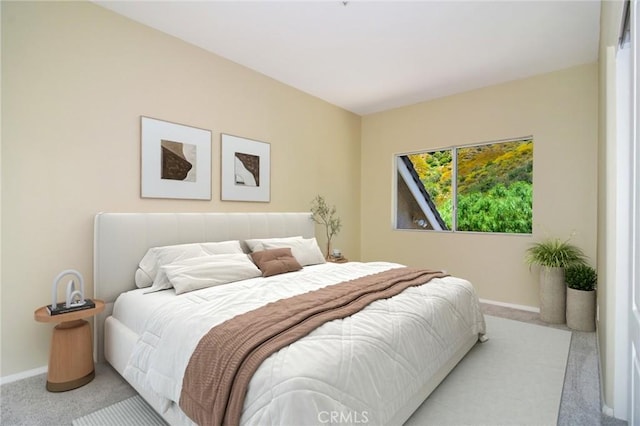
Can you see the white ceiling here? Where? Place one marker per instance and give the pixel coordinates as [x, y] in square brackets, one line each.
[370, 56]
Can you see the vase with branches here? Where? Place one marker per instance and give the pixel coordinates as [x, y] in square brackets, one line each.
[326, 215]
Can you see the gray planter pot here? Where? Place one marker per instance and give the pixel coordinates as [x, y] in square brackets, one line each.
[553, 295]
[581, 310]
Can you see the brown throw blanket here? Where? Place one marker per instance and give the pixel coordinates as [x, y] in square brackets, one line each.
[219, 371]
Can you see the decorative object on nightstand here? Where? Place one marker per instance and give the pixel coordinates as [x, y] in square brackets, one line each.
[325, 215]
[71, 353]
[337, 257]
[74, 300]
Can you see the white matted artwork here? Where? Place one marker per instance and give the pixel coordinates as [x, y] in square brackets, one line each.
[245, 169]
[176, 160]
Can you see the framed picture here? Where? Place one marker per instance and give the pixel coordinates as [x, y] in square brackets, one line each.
[176, 160]
[245, 169]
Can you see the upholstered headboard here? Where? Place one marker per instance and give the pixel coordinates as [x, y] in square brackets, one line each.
[122, 239]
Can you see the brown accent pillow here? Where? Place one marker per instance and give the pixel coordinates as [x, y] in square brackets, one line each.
[275, 261]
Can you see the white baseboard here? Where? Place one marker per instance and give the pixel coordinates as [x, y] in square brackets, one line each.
[22, 375]
[511, 305]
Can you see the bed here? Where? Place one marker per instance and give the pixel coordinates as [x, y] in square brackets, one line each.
[375, 366]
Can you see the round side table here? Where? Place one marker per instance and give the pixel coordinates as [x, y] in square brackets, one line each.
[71, 354]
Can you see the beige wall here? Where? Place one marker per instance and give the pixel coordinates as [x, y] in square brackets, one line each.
[75, 80]
[560, 111]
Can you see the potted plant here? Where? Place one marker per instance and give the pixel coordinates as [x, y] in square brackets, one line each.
[581, 297]
[553, 255]
[325, 215]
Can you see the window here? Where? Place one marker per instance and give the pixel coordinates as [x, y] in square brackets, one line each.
[477, 188]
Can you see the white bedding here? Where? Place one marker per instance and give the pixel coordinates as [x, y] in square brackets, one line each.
[364, 367]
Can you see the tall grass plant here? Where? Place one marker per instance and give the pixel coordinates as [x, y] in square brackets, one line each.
[554, 253]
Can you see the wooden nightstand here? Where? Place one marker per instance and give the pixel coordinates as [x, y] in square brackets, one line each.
[71, 354]
[337, 259]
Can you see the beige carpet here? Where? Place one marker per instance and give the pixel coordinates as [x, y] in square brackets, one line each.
[515, 378]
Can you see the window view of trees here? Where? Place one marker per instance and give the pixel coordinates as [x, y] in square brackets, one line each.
[435, 171]
[493, 185]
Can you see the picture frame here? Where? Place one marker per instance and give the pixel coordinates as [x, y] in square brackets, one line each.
[175, 160]
[245, 169]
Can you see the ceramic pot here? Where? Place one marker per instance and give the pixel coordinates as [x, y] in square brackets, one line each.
[553, 295]
[581, 309]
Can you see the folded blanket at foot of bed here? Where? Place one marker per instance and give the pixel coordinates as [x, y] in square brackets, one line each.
[221, 367]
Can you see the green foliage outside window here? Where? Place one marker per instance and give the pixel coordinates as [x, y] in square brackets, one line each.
[494, 185]
[435, 170]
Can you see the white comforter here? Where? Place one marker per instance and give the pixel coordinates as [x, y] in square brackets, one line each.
[362, 368]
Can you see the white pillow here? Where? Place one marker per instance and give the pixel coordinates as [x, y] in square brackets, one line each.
[208, 271]
[252, 243]
[305, 250]
[159, 256]
[142, 279]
